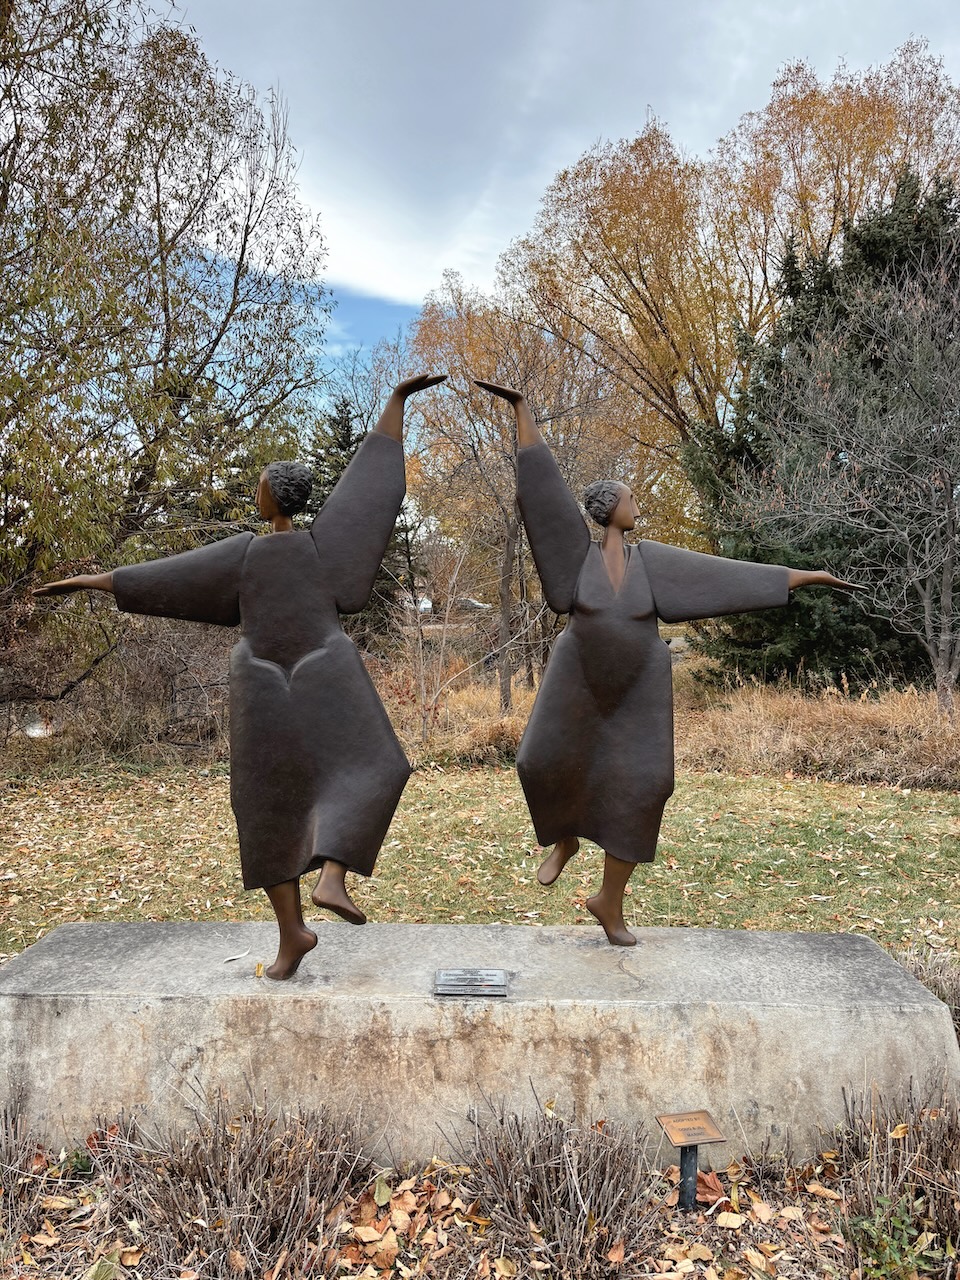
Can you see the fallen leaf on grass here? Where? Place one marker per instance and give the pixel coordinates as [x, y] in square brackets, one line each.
[106, 1268]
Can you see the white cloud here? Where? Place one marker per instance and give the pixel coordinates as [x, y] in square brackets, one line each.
[430, 130]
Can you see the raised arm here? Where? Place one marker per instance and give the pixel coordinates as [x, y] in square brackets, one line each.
[391, 420]
[528, 433]
[354, 525]
[555, 528]
[82, 582]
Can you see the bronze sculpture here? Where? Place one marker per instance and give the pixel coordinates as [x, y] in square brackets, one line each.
[316, 769]
[596, 759]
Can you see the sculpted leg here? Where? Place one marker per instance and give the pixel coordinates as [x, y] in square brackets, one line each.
[330, 892]
[607, 905]
[557, 859]
[295, 938]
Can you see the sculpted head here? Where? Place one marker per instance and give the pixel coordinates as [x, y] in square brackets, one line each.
[288, 484]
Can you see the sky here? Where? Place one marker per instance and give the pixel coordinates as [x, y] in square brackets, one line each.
[429, 130]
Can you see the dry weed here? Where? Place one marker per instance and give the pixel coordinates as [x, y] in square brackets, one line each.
[894, 737]
[573, 1199]
[940, 973]
[898, 1162]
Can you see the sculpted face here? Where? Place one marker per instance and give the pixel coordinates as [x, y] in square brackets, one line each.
[266, 502]
[626, 513]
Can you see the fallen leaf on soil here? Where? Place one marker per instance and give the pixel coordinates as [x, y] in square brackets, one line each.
[818, 1189]
[759, 1262]
[732, 1221]
[366, 1233]
[58, 1202]
[616, 1253]
[709, 1190]
[505, 1267]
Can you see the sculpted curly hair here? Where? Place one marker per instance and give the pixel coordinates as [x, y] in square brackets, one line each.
[290, 483]
[600, 500]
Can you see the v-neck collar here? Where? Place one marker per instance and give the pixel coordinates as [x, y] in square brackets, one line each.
[606, 572]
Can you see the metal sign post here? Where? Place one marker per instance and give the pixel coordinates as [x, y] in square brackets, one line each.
[688, 1130]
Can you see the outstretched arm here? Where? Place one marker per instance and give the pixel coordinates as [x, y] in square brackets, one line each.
[817, 578]
[528, 433]
[391, 420]
[82, 582]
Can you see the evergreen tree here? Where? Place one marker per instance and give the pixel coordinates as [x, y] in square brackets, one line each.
[824, 635]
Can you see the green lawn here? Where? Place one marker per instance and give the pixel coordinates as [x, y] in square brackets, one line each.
[756, 853]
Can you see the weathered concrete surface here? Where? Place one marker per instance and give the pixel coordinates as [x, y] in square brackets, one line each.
[763, 1030]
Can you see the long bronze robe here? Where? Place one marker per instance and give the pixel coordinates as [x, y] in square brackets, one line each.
[316, 770]
[596, 759]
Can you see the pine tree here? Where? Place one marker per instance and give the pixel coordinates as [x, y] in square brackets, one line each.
[825, 635]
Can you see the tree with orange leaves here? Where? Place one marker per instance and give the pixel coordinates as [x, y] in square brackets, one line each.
[654, 265]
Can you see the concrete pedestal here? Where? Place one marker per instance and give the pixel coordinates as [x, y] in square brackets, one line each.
[763, 1030]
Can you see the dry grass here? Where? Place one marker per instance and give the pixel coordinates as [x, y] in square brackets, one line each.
[113, 843]
[890, 737]
[446, 710]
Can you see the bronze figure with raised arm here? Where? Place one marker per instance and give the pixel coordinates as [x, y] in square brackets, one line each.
[596, 759]
[316, 771]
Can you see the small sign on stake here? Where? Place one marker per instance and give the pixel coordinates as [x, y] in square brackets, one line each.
[470, 982]
[688, 1130]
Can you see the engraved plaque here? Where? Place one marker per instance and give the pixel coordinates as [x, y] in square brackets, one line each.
[470, 982]
[690, 1128]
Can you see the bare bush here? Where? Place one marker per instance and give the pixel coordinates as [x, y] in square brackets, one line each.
[900, 1163]
[238, 1191]
[563, 1193]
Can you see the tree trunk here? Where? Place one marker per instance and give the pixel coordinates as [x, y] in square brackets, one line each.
[946, 690]
[504, 663]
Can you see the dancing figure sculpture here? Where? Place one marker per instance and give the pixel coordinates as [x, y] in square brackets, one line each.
[316, 771]
[596, 759]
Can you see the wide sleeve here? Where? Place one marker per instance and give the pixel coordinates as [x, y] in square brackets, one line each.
[558, 535]
[355, 523]
[198, 586]
[689, 584]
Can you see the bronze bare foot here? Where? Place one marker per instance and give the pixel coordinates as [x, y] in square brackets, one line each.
[557, 859]
[611, 917]
[293, 947]
[330, 893]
